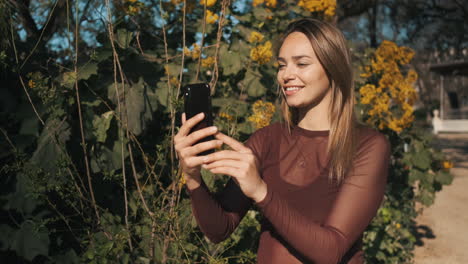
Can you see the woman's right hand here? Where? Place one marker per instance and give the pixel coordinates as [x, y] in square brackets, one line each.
[187, 152]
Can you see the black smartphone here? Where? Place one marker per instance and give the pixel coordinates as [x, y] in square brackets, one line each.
[197, 99]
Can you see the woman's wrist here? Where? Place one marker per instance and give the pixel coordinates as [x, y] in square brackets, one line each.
[260, 193]
[192, 182]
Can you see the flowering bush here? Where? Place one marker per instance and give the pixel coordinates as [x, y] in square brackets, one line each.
[417, 171]
[389, 96]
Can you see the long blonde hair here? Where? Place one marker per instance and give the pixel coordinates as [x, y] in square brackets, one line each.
[331, 50]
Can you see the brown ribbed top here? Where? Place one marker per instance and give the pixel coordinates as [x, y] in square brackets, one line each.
[306, 218]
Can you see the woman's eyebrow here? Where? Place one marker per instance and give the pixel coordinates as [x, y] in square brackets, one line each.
[297, 57]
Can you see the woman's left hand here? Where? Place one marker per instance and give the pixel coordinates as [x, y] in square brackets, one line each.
[239, 163]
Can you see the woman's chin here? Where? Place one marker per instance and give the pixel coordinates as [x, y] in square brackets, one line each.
[295, 103]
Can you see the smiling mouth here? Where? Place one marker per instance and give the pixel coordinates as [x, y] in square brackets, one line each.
[291, 90]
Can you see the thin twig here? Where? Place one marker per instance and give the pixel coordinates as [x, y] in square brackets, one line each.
[116, 62]
[202, 41]
[5, 134]
[42, 33]
[64, 219]
[30, 101]
[174, 192]
[166, 242]
[214, 78]
[135, 177]
[80, 119]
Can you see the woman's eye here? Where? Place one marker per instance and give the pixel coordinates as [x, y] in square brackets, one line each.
[281, 66]
[302, 64]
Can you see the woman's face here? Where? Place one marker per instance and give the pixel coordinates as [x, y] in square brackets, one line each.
[300, 74]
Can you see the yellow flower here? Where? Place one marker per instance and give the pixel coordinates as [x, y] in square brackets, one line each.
[31, 84]
[328, 7]
[133, 10]
[255, 37]
[208, 2]
[262, 53]
[187, 52]
[262, 114]
[367, 72]
[211, 18]
[395, 125]
[257, 2]
[133, 7]
[207, 62]
[226, 116]
[174, 81]
[398, 225]
[194, 53]
[447, 165]
[368, 93]
[182, 180]
[411, 76]
[270, 14]
[271, 3]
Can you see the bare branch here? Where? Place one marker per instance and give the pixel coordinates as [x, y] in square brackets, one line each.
[26, 19]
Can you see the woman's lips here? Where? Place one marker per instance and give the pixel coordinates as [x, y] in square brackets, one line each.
[290, 90]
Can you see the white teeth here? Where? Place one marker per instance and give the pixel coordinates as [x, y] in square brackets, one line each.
[292, 88]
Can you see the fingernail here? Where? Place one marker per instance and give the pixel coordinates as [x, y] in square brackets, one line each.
[214, 129]
[204, 166]
[200, 115]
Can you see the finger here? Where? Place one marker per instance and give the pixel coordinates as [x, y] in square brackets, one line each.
[226, 171]
[223, 163]
[194, 161]
[189, 124]
[184, 118]
[234, 144]
[194, 137]
[224, 154]
[204, 146]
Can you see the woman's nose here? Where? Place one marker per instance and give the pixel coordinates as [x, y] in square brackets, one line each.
[288, 74]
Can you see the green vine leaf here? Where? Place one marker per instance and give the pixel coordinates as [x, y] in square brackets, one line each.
[253, 85]
[421, 159]
[416, 175]
[444, 177]
[138, 108]
[123, 38]
[230, 61]
[87, 70]
[162, 93]
[67, 79]
[101, 124]
[28, 242]
[48, 151]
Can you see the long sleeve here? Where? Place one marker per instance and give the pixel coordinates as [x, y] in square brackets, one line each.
[219, 214]
[355, 205]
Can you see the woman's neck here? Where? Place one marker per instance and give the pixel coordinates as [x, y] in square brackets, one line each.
[316, 117]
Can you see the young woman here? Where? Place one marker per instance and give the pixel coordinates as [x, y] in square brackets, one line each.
[318, 178]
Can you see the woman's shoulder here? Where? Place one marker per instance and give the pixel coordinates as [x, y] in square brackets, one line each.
[272, 129]
[265, 134]
[370, 138]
